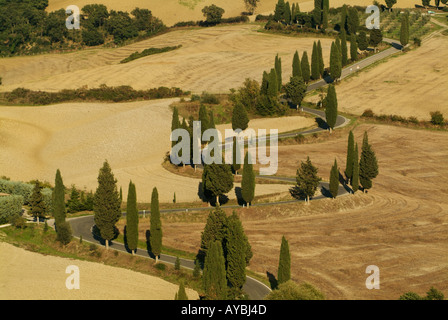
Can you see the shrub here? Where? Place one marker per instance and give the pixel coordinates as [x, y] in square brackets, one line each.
[434, 294]
[410, 296]
[417, 41]
[186, 24]
[413, 120]
[10, 206]
[148, 52]
[195, 97]
[18, 221]
[209, 98]
[437, 118]
[160, 266]
[291, 291]
[368, 114]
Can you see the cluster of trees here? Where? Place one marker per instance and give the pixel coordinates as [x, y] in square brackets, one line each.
[359, 171]
[288, 14]
[224, 254]
[432, 294]
[426, 3]
[26, 27]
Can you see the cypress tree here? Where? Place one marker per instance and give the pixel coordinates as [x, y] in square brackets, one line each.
[59, 210]
[240, 119]
[273, 84]
[350, 157]
[331, 107]
[287, 14]
[307, 181]
[214, 274]
[279, 10]
[278, 71]
[211, 124]
[363, 43]
[404, 31]
[296, 66]
[317, 12]
[296, 90]
[305, 64]
[132, 219]
[344, 51]
[293, 13]
[321, 59]
[74, 203]
[353, 48]
[214, 230]
[217, 179]
[368, 165]
[121, 196]
[325, 10]
[177, 264]
[334, 180]
[203, 118]
[352, 20]
[248, 181]
[36, 201]
[343, 22]
[264, 84]
[197, 269]
[235, 253]
[335, 62]
[106, 204]
[284, 264]
[315, 72]
[155, 230]
[236, 156]
[355, 179]
[181, 294]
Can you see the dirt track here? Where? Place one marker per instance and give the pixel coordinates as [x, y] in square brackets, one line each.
[26, 275]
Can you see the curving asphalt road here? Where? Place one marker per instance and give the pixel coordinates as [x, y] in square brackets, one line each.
[256, 290]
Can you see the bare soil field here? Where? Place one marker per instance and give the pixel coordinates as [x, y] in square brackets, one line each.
[172, 11]
[78, 137]
[406, 85]
[401, 225]
[27, 275]
[211, 59]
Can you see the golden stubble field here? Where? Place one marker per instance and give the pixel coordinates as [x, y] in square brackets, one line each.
[212, 59]
[401, 225]
[28, 275]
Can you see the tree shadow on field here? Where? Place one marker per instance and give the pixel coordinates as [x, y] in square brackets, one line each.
[148, 244]
[272, 280]
[322, 123]
[239, 196]
[97, 235]
[326, 192]
[125, 240]
[206, 196]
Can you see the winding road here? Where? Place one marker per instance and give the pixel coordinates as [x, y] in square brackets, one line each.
[82, 226]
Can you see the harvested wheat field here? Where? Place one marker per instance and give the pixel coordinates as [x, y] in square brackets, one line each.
[408, 85]
[26, 275]
[172, 11]
[212, 59]
[401, 225]
[78, 137]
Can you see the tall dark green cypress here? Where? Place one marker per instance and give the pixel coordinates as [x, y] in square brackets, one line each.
[344, 50]
[214, 230]
[315, 72]
[307, 181]
[352, 20]
[368, 165]
[404, 31]
[334, 180]
[350, 156]
[235, 253]
[353, 48]
[321, 58]
[305, 64]
[284, 264]
[240, 118]
[264, 84]
[279, 10]
[344, 14]
[132, 219]
[325, 11]
[331, 107]
[155, 230]
[273, 84]
[214, 275]
[211, 123]
[36, 201]
[355, 179]
[287, 14]
[296, 66]
[181, 294]
[278, 70]
[107, 205]
[335, 62]
[236, 157]
[59, 209]
[248, 181]
[317, 12]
